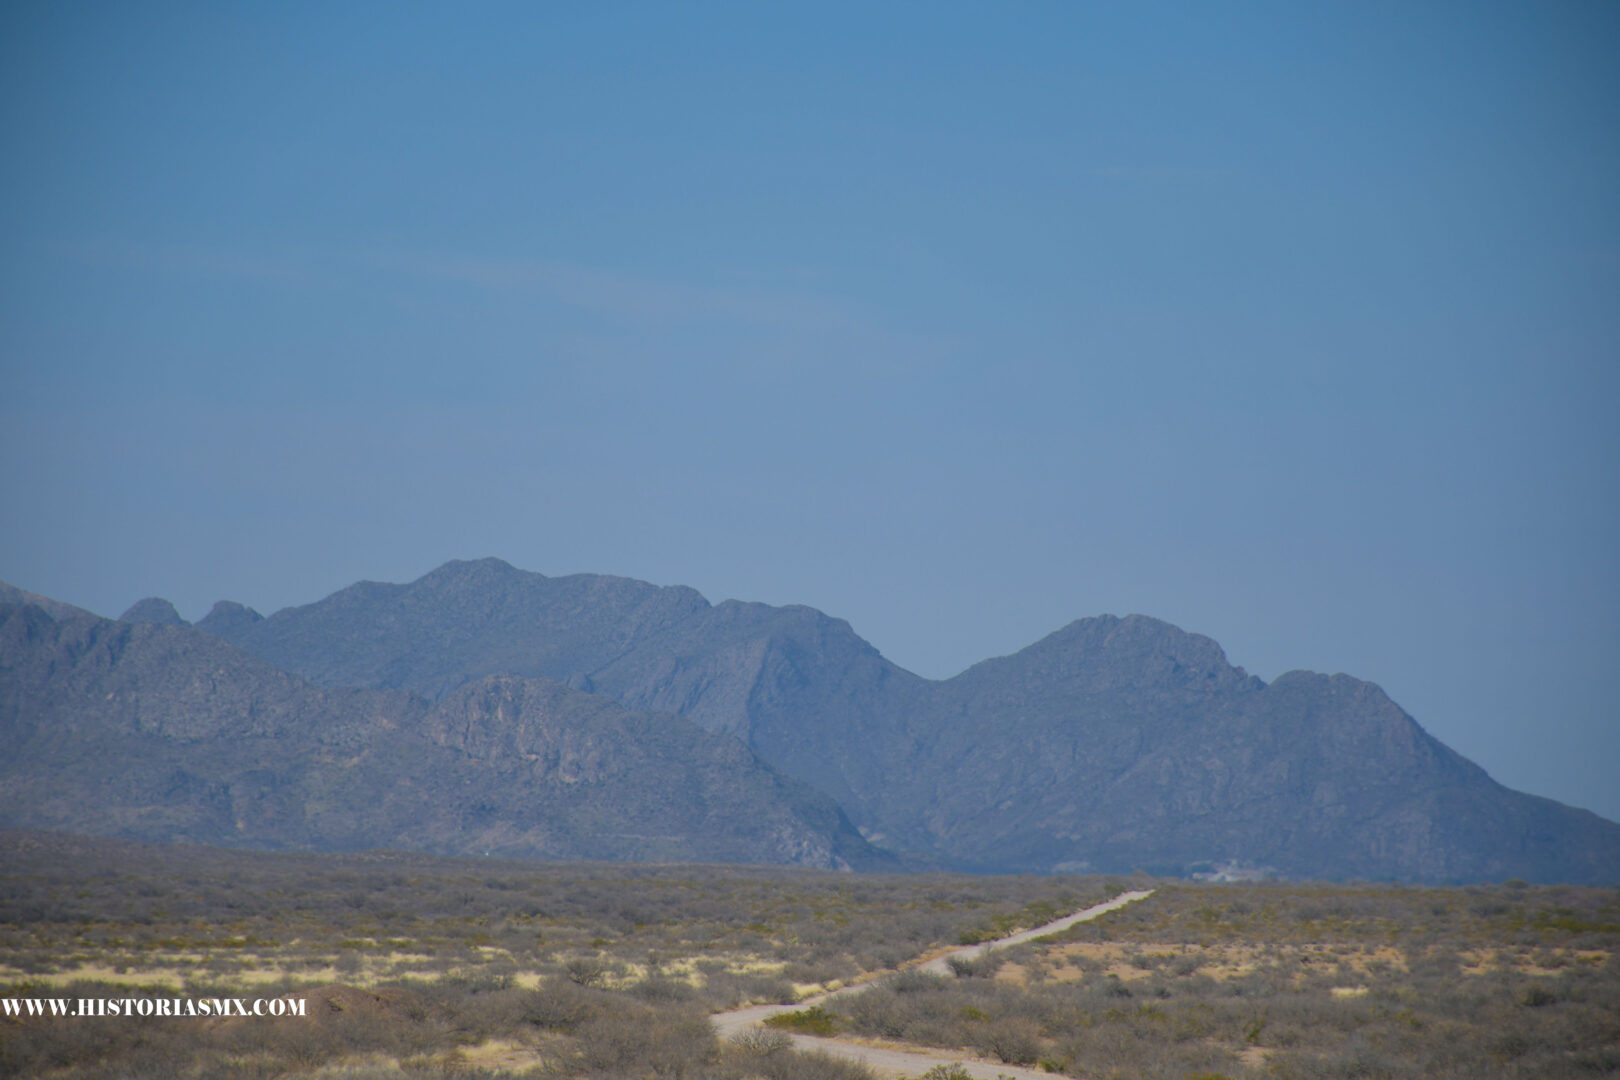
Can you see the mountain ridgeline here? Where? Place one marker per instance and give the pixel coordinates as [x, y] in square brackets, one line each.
[1110, 745]
[158, 732]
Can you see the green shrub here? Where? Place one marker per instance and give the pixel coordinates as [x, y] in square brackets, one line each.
[812, 1021]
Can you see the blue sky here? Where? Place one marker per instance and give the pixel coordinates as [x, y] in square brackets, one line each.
[1296, 325]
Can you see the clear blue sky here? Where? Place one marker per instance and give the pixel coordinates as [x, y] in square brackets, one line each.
[1296, 325]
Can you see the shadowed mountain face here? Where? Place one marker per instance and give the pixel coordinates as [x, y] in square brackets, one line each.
[1110, 745]
[750, 670]
[225, 618]
[155, 732]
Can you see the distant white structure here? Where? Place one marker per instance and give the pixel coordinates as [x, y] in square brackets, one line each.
[1236, 870]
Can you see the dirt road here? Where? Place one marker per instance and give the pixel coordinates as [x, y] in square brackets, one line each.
[886, 1061]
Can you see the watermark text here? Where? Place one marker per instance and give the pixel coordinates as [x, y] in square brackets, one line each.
[84, 1006]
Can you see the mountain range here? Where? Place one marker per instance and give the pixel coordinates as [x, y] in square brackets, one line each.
[163, 733]
[1110, 745]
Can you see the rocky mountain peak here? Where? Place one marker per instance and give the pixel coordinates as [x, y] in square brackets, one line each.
[1108, 654]
[471, 574]
[154, 609]
[227, 619]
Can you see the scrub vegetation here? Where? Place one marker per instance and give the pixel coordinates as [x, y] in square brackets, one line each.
[421, 966]
[1290, 981]
[416, 966]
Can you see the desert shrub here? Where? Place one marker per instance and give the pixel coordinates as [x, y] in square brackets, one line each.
[984, 966]
[1111, 986]
[882, 1013]
[812, 1021]
[1187, 965]
[725, 989]
[587, 970]
[761, 1042]
[1016, 1042]
[913, 981]
[1536, 995]
[559, 1004]
[662, 988]
[807, 1065]
[665, 1043]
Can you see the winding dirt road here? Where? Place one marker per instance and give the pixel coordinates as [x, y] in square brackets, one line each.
[886, 1061]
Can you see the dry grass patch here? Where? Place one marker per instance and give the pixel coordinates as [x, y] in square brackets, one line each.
[501, 1054]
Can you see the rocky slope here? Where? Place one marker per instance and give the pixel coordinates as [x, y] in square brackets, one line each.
[158, 732]
[1130, 742]
[10, 594]
[1110, 745]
